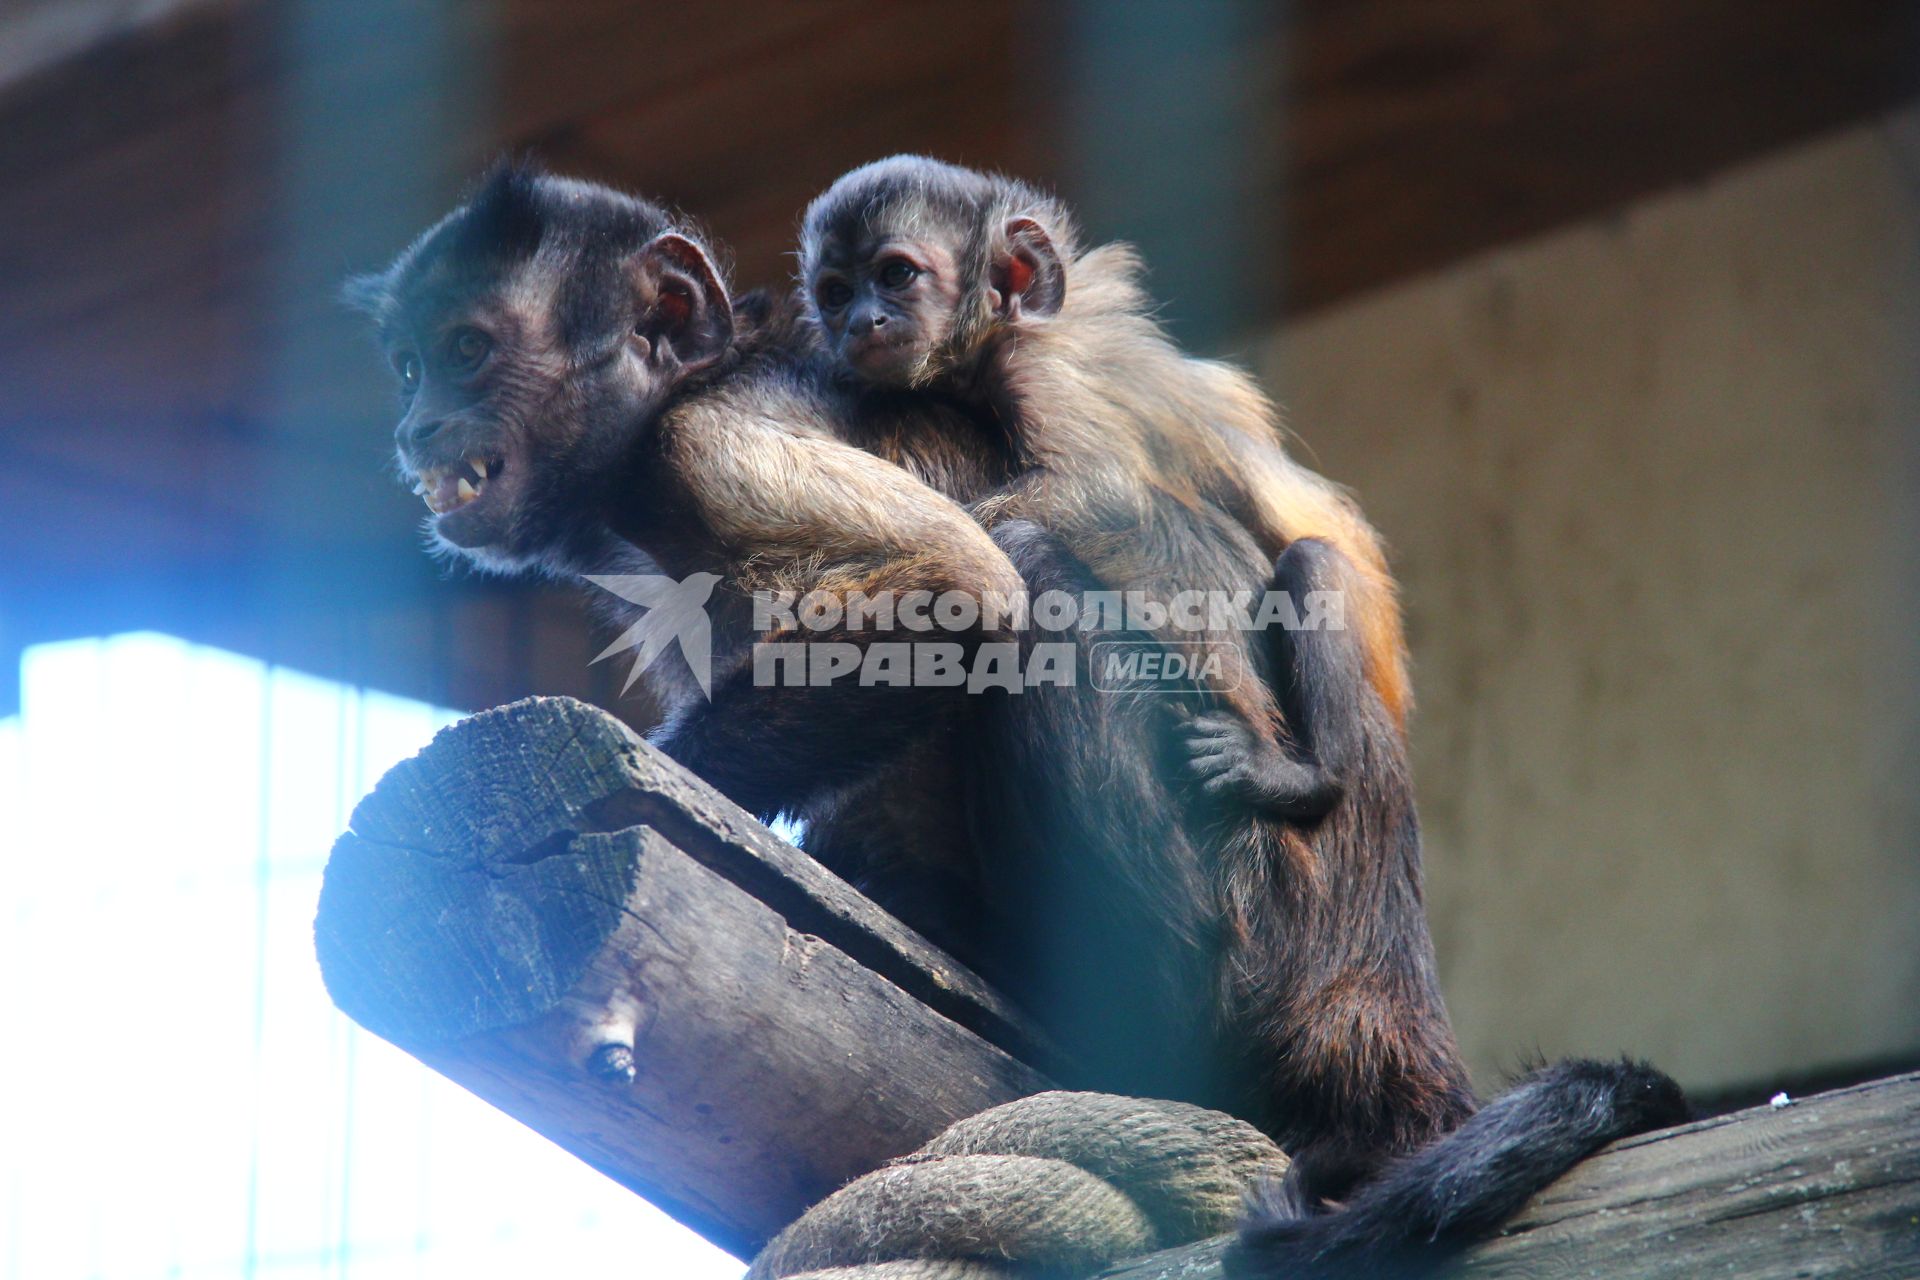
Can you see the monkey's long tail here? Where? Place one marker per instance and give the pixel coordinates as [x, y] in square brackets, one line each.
[1429, 1204]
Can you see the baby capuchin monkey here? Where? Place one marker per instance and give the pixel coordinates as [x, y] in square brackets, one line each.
[1163, 473]
[1160, 471]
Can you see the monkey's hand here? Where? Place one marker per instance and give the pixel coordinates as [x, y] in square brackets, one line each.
[1223, 755]
[1229, 760]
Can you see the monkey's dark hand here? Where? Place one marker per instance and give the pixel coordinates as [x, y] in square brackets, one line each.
[1229, 760]
[1222, 754]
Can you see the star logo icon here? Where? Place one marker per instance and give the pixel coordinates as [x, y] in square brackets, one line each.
[676, 613]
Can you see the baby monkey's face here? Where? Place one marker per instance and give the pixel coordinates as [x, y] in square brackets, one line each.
[886, 304]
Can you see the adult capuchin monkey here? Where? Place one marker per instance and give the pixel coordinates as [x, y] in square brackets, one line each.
[1165, 473]
[582, 397]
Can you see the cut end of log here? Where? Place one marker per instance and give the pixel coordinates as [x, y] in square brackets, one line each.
[551, 913]
[471, 888]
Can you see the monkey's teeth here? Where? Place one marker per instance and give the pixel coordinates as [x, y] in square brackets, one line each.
[448, 488]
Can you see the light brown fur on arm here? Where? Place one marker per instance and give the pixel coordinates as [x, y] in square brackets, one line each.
[785, 498]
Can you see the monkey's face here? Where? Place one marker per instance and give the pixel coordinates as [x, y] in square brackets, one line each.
[488, 402]
[886, 305]
[476, 379]
[526, 387]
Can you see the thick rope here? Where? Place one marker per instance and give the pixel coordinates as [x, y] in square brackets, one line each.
[1055, 1184]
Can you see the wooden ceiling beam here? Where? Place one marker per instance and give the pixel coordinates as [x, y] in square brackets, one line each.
[178, 203]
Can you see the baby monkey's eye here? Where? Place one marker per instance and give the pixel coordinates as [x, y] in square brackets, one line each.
[897, 273]
[834, 294]
[469, 348]
[408, 366]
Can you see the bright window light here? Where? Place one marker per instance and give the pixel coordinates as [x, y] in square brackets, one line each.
[182, 1100]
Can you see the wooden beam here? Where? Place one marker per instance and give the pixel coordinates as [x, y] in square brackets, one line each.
[180, 201]
[1416, 133]
[546, 911]
[1828, 1186]
[549, 912]
[41, 33]
[745, 140]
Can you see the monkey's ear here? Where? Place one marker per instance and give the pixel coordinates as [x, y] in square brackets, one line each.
[366, 294]
[1026, 275]
[684, 309]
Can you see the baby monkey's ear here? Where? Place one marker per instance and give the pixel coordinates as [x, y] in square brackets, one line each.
[1026, 275]
[684, 313]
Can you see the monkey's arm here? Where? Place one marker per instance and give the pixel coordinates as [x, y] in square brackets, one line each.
[1322, 688]
[799, 500]
[808, 513]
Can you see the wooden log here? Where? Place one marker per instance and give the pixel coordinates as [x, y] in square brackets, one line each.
[549, 912]
[1828, 1186]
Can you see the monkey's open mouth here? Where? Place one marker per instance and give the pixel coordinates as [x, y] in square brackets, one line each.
[450, 488]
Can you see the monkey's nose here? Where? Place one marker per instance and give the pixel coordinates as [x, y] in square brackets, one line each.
[416, 433]
[865, 321]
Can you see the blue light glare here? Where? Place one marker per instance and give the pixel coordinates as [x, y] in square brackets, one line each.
[182, 1100]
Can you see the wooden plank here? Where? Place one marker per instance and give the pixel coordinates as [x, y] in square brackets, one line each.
[614, 780]
[1828, 1186]
[175, 226]
[547, 911]
[1415, 133]
[1418, 133]
[42, 33]
[746, 145]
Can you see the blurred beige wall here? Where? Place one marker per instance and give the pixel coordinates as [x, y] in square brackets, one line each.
[1651, 485]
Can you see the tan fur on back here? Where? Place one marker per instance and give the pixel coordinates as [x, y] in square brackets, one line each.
[1120, 401]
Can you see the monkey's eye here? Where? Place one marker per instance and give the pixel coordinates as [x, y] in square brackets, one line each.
[468, 348]
[898, 273]
[408, 366]
[834, 294]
